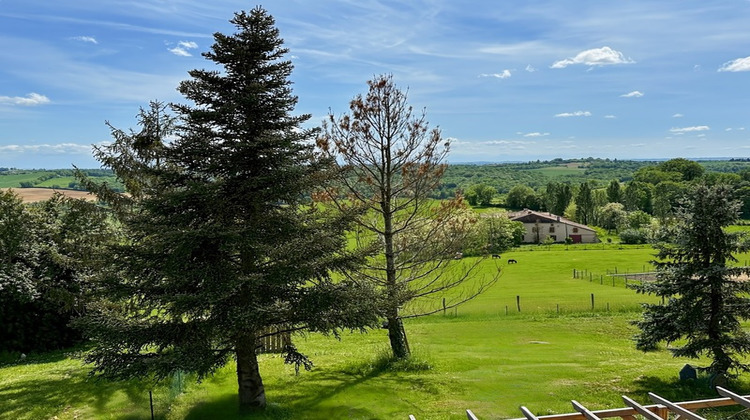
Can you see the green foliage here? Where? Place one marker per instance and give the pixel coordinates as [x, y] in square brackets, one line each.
[634, 236]
[667, 196]
[706, 303]
[47, 258]
[638, 219]
[612, 216]
[495, 233]
[480, 195]
[688, 169]
[222, 248]
[520, 197]
[614, 191]
[585, 204]
[637, 196]
[557, 197]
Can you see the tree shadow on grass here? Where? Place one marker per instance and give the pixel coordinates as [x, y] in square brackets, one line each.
[312, 393]
[64, 388]
[226, 407]
[674, 389]
[17, 358]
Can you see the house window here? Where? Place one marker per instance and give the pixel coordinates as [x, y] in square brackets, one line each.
[551, 229]
[534, 229]
[553, 237]
[575, 230]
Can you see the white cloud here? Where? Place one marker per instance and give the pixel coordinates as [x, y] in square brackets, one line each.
[633, 94]
[739, 64]
[182, 48]
[90, 39]
[610, 116]
[728, 129]
[188, 44]
[573, 114]
[32, 99]
[678, 115]
[530, 68]
[536, 134]
[48, 149]
[504, 75]
[594, 57]
[690, 129]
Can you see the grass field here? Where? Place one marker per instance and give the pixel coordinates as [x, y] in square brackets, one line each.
[478, 357]
[14, 180]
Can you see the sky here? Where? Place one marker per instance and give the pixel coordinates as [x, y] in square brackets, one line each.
[513, 80]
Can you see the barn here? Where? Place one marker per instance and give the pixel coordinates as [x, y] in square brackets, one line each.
[540, 226]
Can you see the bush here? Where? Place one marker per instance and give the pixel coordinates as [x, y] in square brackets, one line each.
[634, 236]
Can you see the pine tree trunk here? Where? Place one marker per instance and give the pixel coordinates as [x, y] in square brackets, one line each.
[251, 391]
[397, 335]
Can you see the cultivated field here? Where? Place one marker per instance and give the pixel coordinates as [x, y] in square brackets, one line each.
[557, 348]
[29, 195]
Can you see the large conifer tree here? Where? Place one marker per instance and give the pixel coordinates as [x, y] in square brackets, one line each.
[706, 294]
[223, 248]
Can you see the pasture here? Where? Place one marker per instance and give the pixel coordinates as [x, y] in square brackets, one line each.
[557, 348]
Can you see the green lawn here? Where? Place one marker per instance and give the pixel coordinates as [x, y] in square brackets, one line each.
[477, 358]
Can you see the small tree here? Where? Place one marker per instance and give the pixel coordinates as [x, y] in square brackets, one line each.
[614, 192]
[706, 300]
[480, 194]
[585, 204]
[612, 216]
[391, 161]
[518, 196]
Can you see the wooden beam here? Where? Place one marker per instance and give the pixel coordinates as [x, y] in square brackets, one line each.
[583, 410]
[645, 412]
[739, 399]
[528, 414]
[674, 407]
[471, 415]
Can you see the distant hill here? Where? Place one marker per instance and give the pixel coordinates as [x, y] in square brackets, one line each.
[53, 178]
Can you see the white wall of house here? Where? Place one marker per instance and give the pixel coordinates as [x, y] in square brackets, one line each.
[558, 232]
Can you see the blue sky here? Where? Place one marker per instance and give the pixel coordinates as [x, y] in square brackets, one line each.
[505, 80]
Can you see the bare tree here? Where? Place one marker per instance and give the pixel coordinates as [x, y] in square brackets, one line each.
[390, 161]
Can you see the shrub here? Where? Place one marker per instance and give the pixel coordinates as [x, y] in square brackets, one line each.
[634, 236]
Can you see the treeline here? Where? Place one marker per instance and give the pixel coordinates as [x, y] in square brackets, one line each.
[537, 174]
[649, 198]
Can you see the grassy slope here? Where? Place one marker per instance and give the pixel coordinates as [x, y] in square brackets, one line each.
[480, 359]
[14, 181]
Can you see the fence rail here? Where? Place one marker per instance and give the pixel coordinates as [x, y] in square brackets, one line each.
[275, 342]
[660, 410]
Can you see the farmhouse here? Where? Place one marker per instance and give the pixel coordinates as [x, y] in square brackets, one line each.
[540, 226]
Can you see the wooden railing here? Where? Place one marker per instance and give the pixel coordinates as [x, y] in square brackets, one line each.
[274, 343]
[660, 410]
